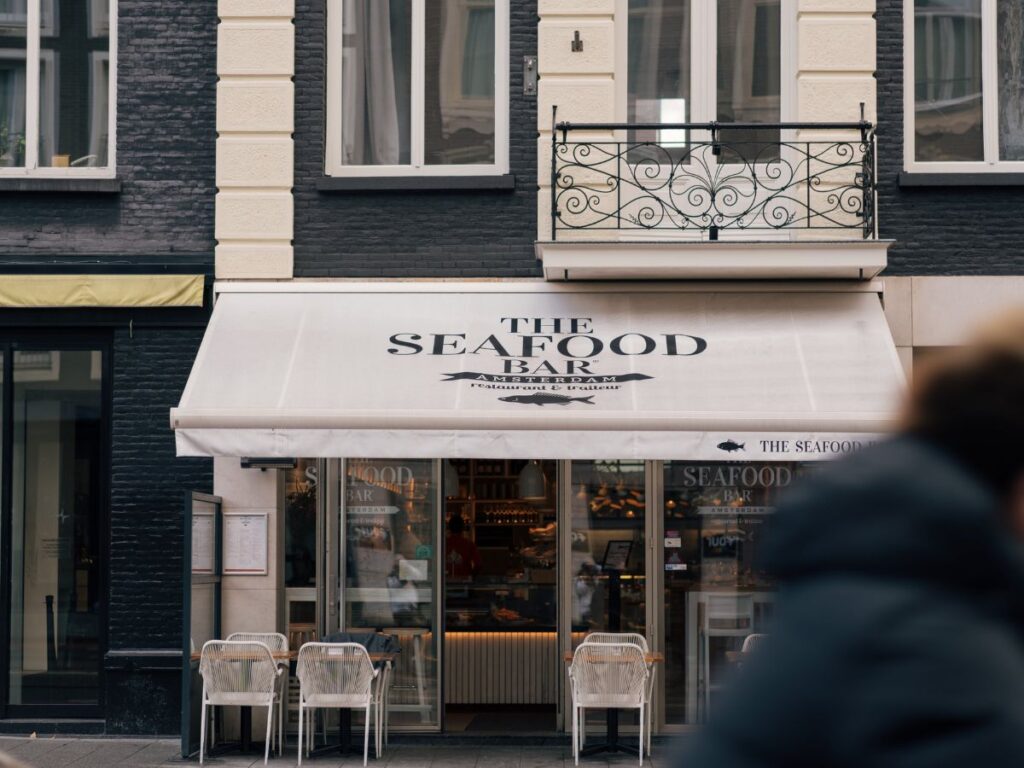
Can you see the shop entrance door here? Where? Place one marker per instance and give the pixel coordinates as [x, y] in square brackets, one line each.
[502, 667]
[388, 545]
[53, 487]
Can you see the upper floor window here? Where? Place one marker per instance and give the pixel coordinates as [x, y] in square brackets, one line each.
[964, 85]
[704, 60]
[57, 85]
[417, 87]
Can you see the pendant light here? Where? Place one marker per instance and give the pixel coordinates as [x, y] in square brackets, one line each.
[532, 483]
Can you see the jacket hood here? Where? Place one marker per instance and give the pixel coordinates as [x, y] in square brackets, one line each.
[900, 510]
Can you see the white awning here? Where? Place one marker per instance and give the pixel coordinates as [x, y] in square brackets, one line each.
[535, 370]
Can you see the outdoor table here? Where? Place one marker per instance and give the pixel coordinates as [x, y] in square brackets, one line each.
[344, 727]
[612, 743]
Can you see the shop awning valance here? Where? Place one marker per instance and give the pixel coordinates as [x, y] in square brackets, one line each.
[123, 291]
[536, 370]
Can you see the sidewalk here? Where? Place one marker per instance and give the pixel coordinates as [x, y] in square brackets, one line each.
[63, 752]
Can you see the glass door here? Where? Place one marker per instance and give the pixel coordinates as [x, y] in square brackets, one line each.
[54, 484]
[605, 554]
[389, 576]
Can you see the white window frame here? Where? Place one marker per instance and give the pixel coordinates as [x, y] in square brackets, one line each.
[417, 167]
[989, 102]
[704, 94]
[704, 61]
[33, 57]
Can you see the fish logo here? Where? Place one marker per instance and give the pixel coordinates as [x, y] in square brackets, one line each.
[729, 446]
[543, 398]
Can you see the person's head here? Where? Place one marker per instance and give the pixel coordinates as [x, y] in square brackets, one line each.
[970, 403]
[456, 525]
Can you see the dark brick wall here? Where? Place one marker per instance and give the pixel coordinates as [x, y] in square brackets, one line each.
[944, 230]
[165, 154]
[162, 220]
[150, 368]
[412, 234]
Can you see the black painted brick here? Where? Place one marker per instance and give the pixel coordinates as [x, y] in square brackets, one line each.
[166, 136]
[944, 230]
[148, 483]
[412, 234]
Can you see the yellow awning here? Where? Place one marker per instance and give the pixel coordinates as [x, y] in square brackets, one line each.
[39, 291]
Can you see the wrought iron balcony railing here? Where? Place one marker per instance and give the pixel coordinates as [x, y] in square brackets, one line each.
[709, 179]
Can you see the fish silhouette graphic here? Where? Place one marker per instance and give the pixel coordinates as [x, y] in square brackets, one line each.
[731, 445]
[543, 398]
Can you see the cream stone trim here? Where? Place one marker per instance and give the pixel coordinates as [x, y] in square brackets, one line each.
[254, 217]
[942, 311]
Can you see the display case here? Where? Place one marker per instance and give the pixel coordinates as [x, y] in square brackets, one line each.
[514, 587]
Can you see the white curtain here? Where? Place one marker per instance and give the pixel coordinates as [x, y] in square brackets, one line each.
[370, 107]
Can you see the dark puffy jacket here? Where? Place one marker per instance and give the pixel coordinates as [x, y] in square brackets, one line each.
[899, 633]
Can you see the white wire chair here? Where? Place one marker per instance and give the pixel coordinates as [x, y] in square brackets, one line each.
[335, 676]
[607, 676]
[237, 674]
[636, 639]
[752, 641]
[277, 643]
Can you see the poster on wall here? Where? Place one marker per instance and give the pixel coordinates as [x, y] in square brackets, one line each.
[245, 543]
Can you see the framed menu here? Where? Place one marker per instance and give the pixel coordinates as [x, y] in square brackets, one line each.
[245, 543]
[204, 541]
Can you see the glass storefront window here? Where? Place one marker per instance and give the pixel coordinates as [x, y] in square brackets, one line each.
[391, 573]
[607, 543]
[608, 581]
[300, 513]
[57, 507]
[715, 516]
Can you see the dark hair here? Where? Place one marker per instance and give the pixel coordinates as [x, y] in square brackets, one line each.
[456, 525]
[969, 402]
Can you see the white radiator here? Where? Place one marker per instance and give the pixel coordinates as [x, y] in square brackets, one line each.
[501, 667]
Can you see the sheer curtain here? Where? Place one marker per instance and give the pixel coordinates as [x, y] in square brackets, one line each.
[375, 82]
[478, 57]
[12, 113]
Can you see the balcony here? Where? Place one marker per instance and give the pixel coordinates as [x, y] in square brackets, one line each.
[712, 200]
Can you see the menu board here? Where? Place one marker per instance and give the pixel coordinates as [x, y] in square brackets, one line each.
[204, 541]
[245, 543]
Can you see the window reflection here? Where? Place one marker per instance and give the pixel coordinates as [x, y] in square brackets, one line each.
[300, 513]
[608, 510]
[459, 87]
[57, 507]
[12, 83]
[74, 85]
[658, 77]
[716, 593]
[749, 76]
[390, 562]
[947, 80]
[1010, 40]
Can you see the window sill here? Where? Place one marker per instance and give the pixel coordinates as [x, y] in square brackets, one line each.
[38, 184]
[967, 179]
[506, 181]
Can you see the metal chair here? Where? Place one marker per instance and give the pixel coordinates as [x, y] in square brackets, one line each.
[752, 641]
[636, 639]
[277, 643]
[335, 676]
[237, 674]
[607, 676]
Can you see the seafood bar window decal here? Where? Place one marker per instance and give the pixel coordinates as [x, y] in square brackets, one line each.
[547, 360]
